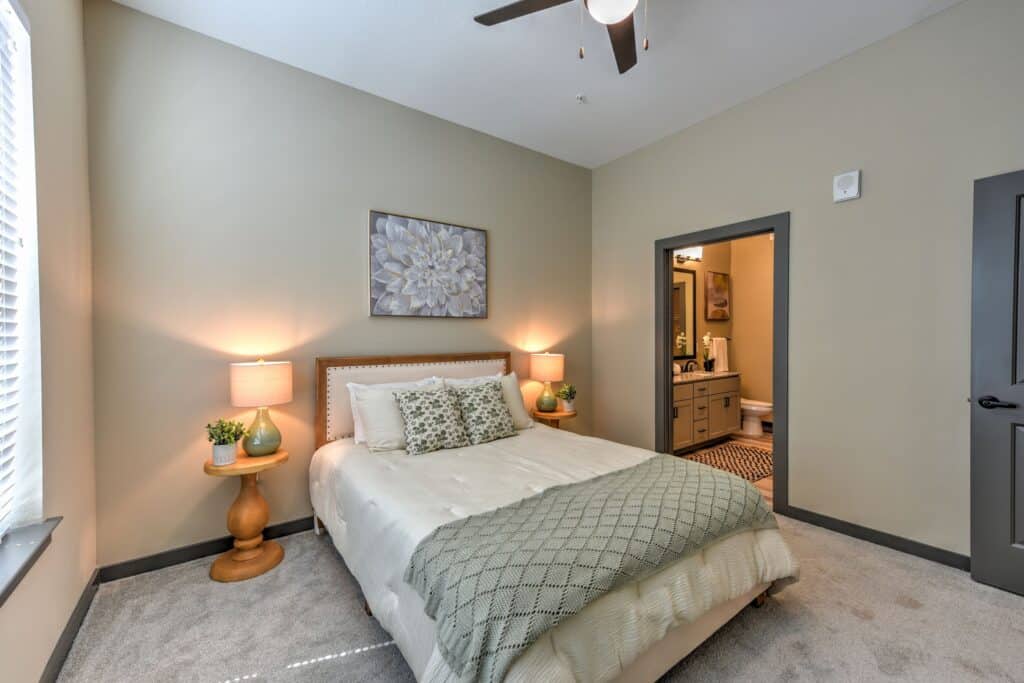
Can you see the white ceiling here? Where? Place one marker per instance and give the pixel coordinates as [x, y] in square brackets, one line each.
[518, 81]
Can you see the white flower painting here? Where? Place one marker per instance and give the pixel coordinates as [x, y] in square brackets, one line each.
[426, 269]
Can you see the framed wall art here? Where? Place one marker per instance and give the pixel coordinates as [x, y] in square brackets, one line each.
[717, 297]
[426, 269]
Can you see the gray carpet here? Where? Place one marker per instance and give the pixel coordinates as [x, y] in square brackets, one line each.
[859, 613]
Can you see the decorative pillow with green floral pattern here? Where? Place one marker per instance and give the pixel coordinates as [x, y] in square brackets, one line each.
[484, 412]
[432, 420]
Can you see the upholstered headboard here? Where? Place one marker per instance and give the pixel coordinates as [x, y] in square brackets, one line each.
[333, 408]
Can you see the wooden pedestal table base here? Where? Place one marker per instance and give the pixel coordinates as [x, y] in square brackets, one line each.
[247, 517]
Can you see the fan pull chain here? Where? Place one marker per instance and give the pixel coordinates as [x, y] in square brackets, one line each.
[647, 43]
[579, 31]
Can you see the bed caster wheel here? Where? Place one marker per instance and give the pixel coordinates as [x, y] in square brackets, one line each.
[760, 600]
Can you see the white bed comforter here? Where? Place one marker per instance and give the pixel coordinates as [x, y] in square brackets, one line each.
[378, 506]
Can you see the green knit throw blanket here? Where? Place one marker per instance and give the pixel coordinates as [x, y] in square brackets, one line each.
[496, 581]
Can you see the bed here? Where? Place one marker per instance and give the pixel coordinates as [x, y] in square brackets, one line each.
[377, 507]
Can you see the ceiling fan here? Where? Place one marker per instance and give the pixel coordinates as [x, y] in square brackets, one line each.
[617, 15]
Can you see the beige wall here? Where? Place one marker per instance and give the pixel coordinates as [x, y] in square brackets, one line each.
[32, 618]
[750, 351]
[230, 201]
[880, 287]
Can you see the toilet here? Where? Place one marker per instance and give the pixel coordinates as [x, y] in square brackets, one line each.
[753, 412]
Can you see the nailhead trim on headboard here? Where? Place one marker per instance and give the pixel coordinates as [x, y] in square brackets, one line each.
[335, 373]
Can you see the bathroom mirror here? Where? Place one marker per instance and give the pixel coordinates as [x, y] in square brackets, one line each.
[684, 314]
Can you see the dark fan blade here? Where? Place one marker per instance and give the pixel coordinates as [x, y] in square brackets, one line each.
[623, 37]
[516, 10]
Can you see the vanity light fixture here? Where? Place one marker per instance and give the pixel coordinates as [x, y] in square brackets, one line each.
[689, 254]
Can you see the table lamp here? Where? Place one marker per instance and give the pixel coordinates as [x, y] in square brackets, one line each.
[547, 368]
[260, 385]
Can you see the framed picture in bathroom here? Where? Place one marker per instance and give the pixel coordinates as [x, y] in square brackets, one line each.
[717, 297]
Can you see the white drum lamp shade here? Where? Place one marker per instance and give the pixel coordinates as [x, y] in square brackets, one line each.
[547, 367]
[261, 384]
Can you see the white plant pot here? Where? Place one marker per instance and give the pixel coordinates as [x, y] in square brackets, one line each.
[224, 455]
[568, 406]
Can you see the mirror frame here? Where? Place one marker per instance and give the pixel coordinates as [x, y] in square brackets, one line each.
[693, 309]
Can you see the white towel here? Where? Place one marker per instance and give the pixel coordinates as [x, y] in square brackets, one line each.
[720, 352]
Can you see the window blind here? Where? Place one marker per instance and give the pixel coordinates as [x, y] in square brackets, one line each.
[18, 296]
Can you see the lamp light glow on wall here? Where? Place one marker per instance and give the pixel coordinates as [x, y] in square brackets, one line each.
[547, 368]
[689, 254]
[611, 11]
[260, 385]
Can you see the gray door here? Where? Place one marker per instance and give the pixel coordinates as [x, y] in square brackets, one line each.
[997, 384]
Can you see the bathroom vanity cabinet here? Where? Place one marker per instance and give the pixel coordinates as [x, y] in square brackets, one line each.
[705, 407]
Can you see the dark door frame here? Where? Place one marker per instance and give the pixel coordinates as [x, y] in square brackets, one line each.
[663, 248]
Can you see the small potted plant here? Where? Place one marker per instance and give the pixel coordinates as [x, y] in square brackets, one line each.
[224, 435]
[709, 363]
[568, 394]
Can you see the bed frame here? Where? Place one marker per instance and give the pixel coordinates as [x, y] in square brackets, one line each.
[333, 421]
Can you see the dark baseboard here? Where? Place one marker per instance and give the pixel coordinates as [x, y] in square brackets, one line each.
[187, 553]
[946, 557]
[67, 636]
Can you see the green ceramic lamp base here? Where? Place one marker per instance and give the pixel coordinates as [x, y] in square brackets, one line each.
[547, 402]
[264, 436]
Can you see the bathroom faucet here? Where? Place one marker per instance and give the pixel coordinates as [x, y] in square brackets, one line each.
[687, 365]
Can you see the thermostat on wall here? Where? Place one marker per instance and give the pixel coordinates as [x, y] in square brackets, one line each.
[846, 186]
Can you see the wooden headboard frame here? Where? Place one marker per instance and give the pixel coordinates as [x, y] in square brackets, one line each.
[323, 364]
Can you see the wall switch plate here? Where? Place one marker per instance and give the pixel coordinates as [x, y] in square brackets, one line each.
[846, 186]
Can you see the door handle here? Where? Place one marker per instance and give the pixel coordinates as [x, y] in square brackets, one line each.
[990, 402]
[675, 412]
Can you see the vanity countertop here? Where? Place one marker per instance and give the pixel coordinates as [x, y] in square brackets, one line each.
[688, 377]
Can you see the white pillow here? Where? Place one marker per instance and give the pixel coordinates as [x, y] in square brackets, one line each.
[356, 391]
[510, 391]
[381, 418]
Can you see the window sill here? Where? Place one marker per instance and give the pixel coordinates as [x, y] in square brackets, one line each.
[19, 550]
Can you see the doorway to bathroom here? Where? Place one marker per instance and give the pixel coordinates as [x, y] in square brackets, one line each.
[721, 331]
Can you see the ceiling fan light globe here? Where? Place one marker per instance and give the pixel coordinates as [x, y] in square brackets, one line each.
[611, 11]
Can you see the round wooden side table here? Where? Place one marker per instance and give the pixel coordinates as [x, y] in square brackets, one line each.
[247, 517]
[554, 417]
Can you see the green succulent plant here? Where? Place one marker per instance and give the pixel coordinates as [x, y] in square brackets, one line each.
[225, 432]
[567, 392]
